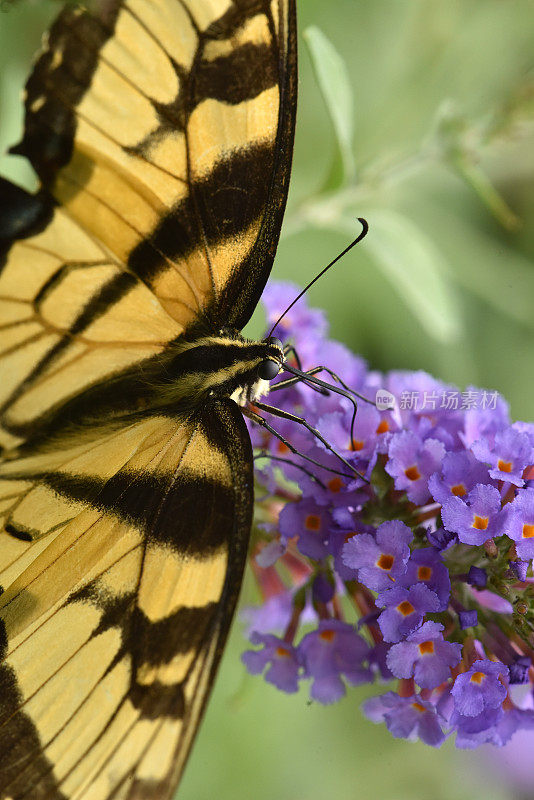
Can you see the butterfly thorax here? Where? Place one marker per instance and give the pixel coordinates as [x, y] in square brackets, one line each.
[188, 375]
[220, 366]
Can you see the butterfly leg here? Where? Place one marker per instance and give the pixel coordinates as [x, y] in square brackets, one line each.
[278, 412]
[291, 350]
[346, 392]
[259, 420]
[271, 457]
[287, 382]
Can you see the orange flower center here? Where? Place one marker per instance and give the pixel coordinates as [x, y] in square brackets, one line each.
[412, 473]
[424, 573]
[327, 636]
[357, 445]
[426, 648]
[528, 531]
[504, 466]
[383, 427]
[405, 608]
[335, 484]
[459, 490]
[282, 652]
[478, 677]
[480, 523]
[418, 707]
[282, 448]
[385, 561]
[312, 522]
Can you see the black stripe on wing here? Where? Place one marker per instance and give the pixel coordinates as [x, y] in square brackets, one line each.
[18, 738]
[149, 644]
[49, 132]
[21, 214]
[251, 182]
[194, 504]
[244, 289]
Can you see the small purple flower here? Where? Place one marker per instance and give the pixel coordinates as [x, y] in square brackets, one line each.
[511, 453]
[332, 651]
[335, 427]
[378, 660]
[468, 618]
[519, 523]
[382, 558]
[520, 568]
[274, 614]
[337, 490]
[282, 658]
[480, 688]
[519, 669]
[441, 539]
[472, 731]
[460, 472]
[477, 577]
[412, 461]
[323, 589]
[475, 518]
[406, 717]
[485, 422]
[426, 566]
[310, 522]
[405, 610]
[425, 656]
[512, 720]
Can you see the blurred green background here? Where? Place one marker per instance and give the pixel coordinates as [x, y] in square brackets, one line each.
[441, 163]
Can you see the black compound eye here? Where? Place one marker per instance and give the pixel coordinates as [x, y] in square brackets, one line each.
[268, 369]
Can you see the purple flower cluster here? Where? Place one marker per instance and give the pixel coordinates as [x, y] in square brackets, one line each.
[406, 555]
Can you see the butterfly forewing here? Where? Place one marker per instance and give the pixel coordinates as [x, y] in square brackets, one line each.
[71, 316]
[165, 128]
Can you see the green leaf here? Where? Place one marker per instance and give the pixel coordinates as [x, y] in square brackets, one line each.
[416, 269]
[334, 83]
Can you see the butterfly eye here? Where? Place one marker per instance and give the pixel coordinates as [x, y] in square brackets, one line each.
[268, 369]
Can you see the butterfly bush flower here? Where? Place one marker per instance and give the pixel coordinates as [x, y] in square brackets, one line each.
[382, 558]
[280, 658]
[400, 551]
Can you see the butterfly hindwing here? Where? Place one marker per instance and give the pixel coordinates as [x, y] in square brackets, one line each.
[133, 628]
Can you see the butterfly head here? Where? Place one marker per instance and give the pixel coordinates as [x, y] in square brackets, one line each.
[272, 362]
[262, 363]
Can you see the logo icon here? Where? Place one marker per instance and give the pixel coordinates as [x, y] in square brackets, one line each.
[384, 400]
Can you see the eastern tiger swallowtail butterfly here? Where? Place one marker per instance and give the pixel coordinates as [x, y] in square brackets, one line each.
[162, 135]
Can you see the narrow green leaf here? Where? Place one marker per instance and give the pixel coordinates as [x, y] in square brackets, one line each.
[334, 83]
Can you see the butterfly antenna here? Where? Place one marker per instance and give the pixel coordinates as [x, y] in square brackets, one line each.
[365, 228]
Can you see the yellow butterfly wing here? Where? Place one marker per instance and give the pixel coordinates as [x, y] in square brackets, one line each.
[111, 633]
[123, 541]
[165, 127]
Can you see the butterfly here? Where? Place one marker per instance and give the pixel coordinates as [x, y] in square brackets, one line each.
[162, 135]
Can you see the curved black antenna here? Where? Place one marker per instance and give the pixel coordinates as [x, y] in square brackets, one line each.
[365, 228]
